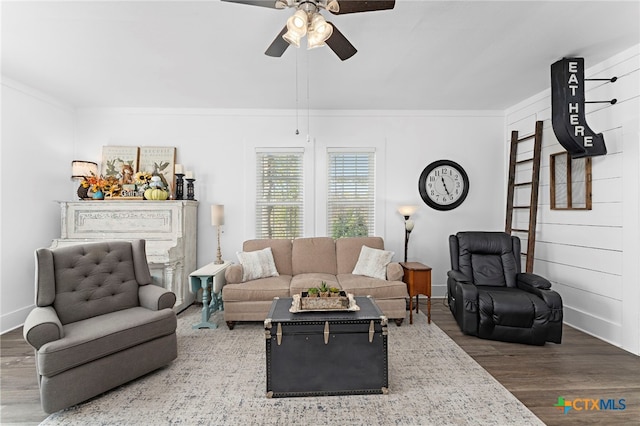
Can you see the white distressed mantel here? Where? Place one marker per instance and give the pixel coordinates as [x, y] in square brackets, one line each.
[169, 228]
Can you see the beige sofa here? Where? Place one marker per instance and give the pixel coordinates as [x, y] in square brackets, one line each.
[305, 262]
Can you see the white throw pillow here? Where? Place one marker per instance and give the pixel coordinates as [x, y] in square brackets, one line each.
[373, 263]
[257, 264]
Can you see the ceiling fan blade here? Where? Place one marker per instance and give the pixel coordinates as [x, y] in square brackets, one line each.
[278, 46]
[355, 6]
[340, 45]
[264, 3]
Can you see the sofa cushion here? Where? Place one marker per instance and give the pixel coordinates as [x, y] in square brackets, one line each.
[348, 251]
[257, 264]
[317, 254]
[303, 282]
[360, 285]
[261, 289]
[373, 263]
[280, 249]
[87, 340]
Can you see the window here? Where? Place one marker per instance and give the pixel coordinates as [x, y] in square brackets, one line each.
[350, 193]
[570, 182]
[279, 194]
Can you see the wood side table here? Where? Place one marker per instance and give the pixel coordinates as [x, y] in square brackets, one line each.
[417, 276]
[209, 275]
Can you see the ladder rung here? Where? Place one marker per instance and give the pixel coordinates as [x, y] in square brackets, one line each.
[526, 138]
[523, 183]
[519, 230]
[523, 254]
[528, 160]
[521, 207]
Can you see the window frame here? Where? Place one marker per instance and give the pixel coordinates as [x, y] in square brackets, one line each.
[369, 180]
[258, 204]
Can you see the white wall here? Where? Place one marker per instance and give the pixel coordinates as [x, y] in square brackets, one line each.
[218, 146]
[37, 148]
[593, 257]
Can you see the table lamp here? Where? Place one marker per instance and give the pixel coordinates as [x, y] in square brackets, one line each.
[217, 220]
[79, 170]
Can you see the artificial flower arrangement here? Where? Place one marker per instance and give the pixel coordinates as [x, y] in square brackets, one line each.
[142, 180]
[151, 186]
[100, 186]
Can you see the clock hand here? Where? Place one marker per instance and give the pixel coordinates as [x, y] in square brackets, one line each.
[445, 185]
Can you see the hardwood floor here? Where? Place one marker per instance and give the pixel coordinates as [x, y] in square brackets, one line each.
[582, 367]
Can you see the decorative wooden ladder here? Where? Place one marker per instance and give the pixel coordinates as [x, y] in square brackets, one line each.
[514, 163]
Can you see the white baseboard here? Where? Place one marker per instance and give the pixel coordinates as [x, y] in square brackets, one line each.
[15, 319]
[439, 290]
[597, 327]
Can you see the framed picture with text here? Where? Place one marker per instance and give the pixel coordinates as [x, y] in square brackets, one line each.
[160, 160]
[119, 161]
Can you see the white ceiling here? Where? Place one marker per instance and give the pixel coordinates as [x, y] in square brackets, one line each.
[209, 54]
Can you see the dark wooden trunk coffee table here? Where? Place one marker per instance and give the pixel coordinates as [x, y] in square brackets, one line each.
[326, 353]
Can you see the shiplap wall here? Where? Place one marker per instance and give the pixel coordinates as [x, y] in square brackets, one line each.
[592, 257]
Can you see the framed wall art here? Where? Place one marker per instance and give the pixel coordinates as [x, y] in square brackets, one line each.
[160, 160]
[119, 161]
[570, 182]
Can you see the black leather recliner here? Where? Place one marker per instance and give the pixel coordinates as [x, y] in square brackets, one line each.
[490, 297]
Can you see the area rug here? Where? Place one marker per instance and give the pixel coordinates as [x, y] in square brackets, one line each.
[219, 379]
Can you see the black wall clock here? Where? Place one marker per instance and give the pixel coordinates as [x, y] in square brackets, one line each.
[443, 185]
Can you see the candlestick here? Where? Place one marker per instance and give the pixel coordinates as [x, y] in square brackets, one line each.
[179, 186]
[190, 192]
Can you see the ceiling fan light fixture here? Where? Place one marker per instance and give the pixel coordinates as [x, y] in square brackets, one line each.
[282, 4]
[297, 23]
[292, 38]
[333, 6]
[319, 31]
[314, 41]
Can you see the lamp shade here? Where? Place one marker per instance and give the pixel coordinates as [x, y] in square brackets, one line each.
[320, 31]
[407, 210]
[81, 168]
[217, 215]
[292, 38]
[297, 23]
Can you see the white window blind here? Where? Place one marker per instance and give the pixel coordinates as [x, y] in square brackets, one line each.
[279, 194]
[351, 193]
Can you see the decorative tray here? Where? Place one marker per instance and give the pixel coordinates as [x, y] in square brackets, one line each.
[297, 305]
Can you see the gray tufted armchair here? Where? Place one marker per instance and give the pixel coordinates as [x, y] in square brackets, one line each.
[98, 321]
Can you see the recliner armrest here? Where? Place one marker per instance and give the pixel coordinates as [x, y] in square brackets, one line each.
[466, 299]
[541, 287]
[459, 277]
[155, 298]
[42, 326]
[394, 272]
[525, 280]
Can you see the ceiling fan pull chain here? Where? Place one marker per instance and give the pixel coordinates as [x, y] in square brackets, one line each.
[308, 103]
[297, 127]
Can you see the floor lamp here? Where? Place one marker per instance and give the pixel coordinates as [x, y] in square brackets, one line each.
[217, 220]
[407, 211]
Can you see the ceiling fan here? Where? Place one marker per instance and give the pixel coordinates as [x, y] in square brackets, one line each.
[307, 21]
